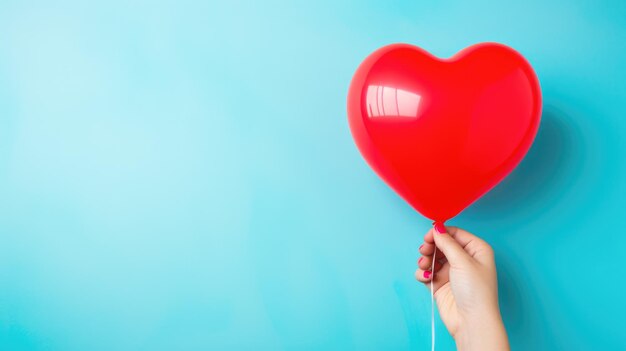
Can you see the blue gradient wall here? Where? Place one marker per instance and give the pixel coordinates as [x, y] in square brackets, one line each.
[179, 175]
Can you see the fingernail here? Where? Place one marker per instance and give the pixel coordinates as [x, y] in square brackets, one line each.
[420, 260]
[421, 247]
[426, 274]
[440, 228]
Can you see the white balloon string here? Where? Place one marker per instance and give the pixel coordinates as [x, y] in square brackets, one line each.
[432, 301]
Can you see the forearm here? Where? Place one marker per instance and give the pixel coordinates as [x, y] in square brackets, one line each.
[486, 334]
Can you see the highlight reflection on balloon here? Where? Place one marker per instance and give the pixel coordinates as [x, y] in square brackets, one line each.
[391, 102]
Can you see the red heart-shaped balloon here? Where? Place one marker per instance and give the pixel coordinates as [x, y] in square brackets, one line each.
[442, 132]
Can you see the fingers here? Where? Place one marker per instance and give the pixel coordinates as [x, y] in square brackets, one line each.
[428, 237]
[427, 249]
[455, 246]
[439, 279]
[425, 263]
[423, 276]
[425, 271]
[454, 251]
[473, 245]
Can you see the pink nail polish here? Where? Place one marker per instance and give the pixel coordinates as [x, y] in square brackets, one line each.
[440, 228]
[421, 247]
[420, 260]
[426, 274]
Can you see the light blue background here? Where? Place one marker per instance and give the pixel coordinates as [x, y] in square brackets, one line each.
[179, 175]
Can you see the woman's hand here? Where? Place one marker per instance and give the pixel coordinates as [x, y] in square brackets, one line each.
[465, 287]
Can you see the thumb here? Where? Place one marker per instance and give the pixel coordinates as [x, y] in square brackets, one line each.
[454, 252]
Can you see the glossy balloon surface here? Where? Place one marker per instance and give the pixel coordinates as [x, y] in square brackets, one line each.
[442, 132]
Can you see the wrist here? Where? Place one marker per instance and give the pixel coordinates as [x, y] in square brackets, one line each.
[486, 333]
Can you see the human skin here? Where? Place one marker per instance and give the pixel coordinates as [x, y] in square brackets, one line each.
[465, 287]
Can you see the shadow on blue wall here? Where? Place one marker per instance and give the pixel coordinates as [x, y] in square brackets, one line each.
[543, 172]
